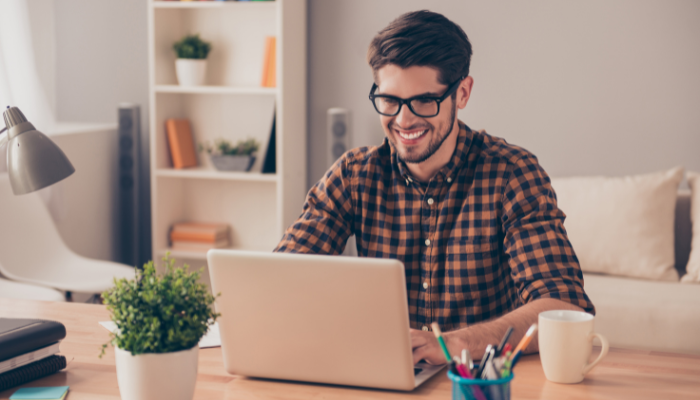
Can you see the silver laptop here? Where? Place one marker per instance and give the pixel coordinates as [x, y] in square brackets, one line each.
[325, 319]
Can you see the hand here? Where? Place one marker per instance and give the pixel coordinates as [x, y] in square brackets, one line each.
[426, 347]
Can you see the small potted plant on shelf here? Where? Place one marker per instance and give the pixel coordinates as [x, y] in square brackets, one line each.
[160, 319]
[191, 63]
[227, 157]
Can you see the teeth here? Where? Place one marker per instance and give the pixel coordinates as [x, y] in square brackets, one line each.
[412, 135]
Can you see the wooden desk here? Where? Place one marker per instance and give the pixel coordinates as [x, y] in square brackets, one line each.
[622, 374]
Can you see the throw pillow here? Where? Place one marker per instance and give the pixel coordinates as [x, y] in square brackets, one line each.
[692, 274]
[624, 225]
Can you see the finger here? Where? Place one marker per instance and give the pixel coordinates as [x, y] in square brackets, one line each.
[418, 338]
[418, 354]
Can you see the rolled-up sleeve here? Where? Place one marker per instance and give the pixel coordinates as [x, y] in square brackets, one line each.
[542, 261]
[326, 219]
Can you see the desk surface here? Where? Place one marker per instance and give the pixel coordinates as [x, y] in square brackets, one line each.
[622, 374]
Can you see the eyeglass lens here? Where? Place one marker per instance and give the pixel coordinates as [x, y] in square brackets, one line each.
[420, 106]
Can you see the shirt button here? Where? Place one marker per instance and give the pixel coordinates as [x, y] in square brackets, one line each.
[425, 328]
[427, 242]
[431, 201]
[449, 179]
[425, 285]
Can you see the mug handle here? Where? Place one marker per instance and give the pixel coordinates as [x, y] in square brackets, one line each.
[603, 351]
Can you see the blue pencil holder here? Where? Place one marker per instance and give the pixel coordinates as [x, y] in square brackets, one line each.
[480, 389]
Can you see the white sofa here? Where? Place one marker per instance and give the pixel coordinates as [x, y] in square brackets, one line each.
[647, 314]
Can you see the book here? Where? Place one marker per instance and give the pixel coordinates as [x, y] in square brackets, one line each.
[28, 358]
[199, 246]
[40, 393]
[181, 143]
[269, 165]
[199, 227]
[269, 75]
[30, 372]
[20, 336]
[204, 237]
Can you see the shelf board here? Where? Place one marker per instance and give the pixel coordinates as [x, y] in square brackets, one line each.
[210, 4]
[206, 173]
[215, 89]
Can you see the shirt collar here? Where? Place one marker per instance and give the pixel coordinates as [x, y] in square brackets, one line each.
[449, 170]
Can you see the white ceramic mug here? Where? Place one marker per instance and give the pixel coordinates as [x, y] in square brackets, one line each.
[566, 338]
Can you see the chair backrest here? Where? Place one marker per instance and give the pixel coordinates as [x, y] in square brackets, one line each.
[29, 240]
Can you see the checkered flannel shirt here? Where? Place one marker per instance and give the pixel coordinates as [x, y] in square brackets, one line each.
[482, 238]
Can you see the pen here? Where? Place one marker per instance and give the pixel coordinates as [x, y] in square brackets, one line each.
[523, 343]
[460, 368]
[499, 349]
[438, 336]
[506, 349]
[485, 359]
[506, 366]
[515, 360]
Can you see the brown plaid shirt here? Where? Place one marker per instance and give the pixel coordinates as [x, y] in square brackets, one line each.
[483, 237]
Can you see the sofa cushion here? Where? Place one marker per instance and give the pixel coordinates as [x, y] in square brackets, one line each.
[637, 313]
[623, 225]
[693, 267]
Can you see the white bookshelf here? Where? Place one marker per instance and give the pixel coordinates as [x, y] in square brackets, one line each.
[257, 206]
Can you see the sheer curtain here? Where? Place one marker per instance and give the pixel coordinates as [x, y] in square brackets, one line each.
[19, 79]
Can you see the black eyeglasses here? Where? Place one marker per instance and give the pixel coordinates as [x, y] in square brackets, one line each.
[422, 106]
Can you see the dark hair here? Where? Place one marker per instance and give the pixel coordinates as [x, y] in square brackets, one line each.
[422, 38]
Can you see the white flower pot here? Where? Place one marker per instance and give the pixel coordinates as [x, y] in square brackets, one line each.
[190, 72]
[151, 376]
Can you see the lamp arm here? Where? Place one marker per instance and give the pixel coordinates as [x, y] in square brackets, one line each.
[3, 137]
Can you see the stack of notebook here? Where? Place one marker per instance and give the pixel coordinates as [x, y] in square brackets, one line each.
[199, 237]
[29, 350]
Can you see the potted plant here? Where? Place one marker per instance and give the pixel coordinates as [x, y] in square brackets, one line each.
[227, 157]
[191, 63]
[160, 320]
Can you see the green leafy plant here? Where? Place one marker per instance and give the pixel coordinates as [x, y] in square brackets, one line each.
[223, 147]
[191, 46]
[160, 313]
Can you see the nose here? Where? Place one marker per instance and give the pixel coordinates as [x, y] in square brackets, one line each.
[405, 118]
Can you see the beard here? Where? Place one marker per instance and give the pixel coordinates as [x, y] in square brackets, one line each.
[435, 142]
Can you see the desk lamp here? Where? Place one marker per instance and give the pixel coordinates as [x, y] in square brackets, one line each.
[33, 160]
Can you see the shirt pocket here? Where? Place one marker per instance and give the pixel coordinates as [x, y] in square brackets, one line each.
[472, 270]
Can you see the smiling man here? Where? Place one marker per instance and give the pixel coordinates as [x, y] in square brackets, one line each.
[473, 218]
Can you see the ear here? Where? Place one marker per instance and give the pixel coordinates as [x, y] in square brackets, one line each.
[464, 91]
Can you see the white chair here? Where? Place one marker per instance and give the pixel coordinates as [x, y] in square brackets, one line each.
[33, 252]
[17, 290]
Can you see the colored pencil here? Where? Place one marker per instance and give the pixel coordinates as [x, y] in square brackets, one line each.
[441, 341]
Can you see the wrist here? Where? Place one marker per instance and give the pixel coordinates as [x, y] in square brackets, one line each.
[456, 341]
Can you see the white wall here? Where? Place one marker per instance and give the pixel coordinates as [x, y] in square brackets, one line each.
[43, 24]
[91, 56]
[101, 61]
[596, 87]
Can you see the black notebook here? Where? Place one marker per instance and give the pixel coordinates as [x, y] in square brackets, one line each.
[32, 371]
[19, 336]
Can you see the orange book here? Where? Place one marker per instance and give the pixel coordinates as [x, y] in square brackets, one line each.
[199, 227]
[181, 143]
[206, 237]
[269, 75]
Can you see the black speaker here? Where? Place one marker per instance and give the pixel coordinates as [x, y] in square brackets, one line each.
[337, 133]
[129, 156]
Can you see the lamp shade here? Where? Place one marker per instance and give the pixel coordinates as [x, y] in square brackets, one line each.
[33, 160]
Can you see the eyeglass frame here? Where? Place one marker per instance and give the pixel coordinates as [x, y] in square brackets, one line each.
[450, 91]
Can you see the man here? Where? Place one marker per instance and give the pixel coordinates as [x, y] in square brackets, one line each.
[473, 218]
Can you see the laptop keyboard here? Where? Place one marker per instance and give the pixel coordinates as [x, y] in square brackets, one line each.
[416, 371]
